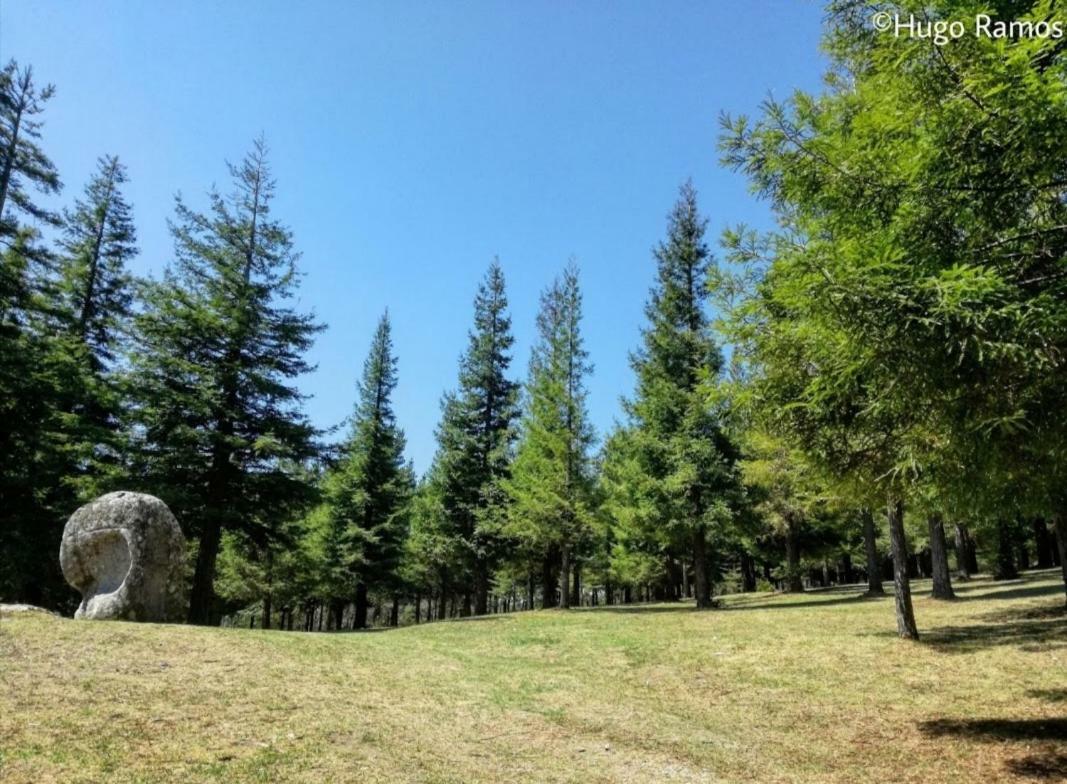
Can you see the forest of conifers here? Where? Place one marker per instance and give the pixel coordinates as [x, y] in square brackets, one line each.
[873, 390]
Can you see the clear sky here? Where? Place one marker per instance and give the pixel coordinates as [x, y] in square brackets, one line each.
[412, 142]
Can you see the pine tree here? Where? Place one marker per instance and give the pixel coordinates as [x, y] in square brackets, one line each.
[370, 492]
[475, 439]
[681, 462]
[552, 478]
[33, 496]
[93, 306]
[218, 348]
[99, 241]
[22, 162]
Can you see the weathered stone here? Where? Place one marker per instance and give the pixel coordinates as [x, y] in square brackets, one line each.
[126, 554]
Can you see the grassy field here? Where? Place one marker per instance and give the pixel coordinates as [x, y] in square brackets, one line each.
[812, 688]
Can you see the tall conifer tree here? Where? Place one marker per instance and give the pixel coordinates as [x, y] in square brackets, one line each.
[475, 439]
[370, 492]
[218, 349]
[681, 462]
[33, 497]
[552, 476]
[93, 304]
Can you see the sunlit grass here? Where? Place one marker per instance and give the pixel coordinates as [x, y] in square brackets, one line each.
[808, 688]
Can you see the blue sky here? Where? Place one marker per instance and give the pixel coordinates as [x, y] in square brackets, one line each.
[412, 142]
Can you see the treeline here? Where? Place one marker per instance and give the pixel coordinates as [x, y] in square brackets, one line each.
[889, 400]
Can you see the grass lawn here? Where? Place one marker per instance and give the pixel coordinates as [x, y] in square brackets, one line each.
[812, 688]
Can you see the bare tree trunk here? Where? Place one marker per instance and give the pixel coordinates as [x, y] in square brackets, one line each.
[701, 583]
[481, 589]
[359, 618]
[963, 561]
[905, 615]
[268, 609]
[1059, 526]
[576, 585]
[1005, 566]
[942, 588]
[794, 582]
[748, 573]
[1043, 543]
[874, 563]
[565, 577]
[548, 578]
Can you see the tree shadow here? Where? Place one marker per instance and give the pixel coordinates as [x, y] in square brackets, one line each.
[1029, 634]
[641, 609]
[838, 597]
[1048, 763]
[1022, 587]
[998, 729]
[1049, 695]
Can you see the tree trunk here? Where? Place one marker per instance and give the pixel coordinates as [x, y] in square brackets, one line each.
[565, 577]
[394, 613]
[576, 583]
[794, 582]
[939, 559]
[1042, 543]
[418, 607]
[871, 548]
[531, 591]
[844, 575]
[963, 560]
[905, 615]
[548, 579]
[202, 597]
[701, 583]
[1059, 527]
[268, 602]
[481, 589]
[748, 572]
[359, 619]
[1005, 566]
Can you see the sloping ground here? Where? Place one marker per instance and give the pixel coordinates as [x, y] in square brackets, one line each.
[814, 688]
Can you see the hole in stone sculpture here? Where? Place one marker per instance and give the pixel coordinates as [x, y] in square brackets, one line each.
[107, 558]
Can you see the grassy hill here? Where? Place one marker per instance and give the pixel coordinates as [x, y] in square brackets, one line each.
[779, 689]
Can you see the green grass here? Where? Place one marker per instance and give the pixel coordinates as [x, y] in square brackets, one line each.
[812, 688]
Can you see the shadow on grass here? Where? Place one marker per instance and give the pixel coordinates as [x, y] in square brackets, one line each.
[781, 602]
[1049, 695]
[1048, 764]
[998, 729]
[755, 601]
[1037, 629]
[1023, 587]
[638, 609]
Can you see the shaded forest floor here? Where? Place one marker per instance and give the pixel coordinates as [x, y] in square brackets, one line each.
[812, 688]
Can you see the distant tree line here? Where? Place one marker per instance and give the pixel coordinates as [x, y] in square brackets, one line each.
[875, 390]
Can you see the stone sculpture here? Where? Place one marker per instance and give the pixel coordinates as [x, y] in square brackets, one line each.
[126, 555]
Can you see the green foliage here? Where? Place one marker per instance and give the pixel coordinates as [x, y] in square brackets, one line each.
[475, 440]
[552, 482]
[369, 492]
[670, 469]
[218, 347]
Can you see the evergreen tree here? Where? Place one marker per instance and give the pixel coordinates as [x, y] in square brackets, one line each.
[552, 478]
[369, 493]
[677, 469]
[908, 325]
[475, 439]
[217, 350]
[33, 496]
[22, 162]
[99, 241]
[93, 304]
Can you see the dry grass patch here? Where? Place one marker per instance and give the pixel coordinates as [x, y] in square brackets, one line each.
[812, 688]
